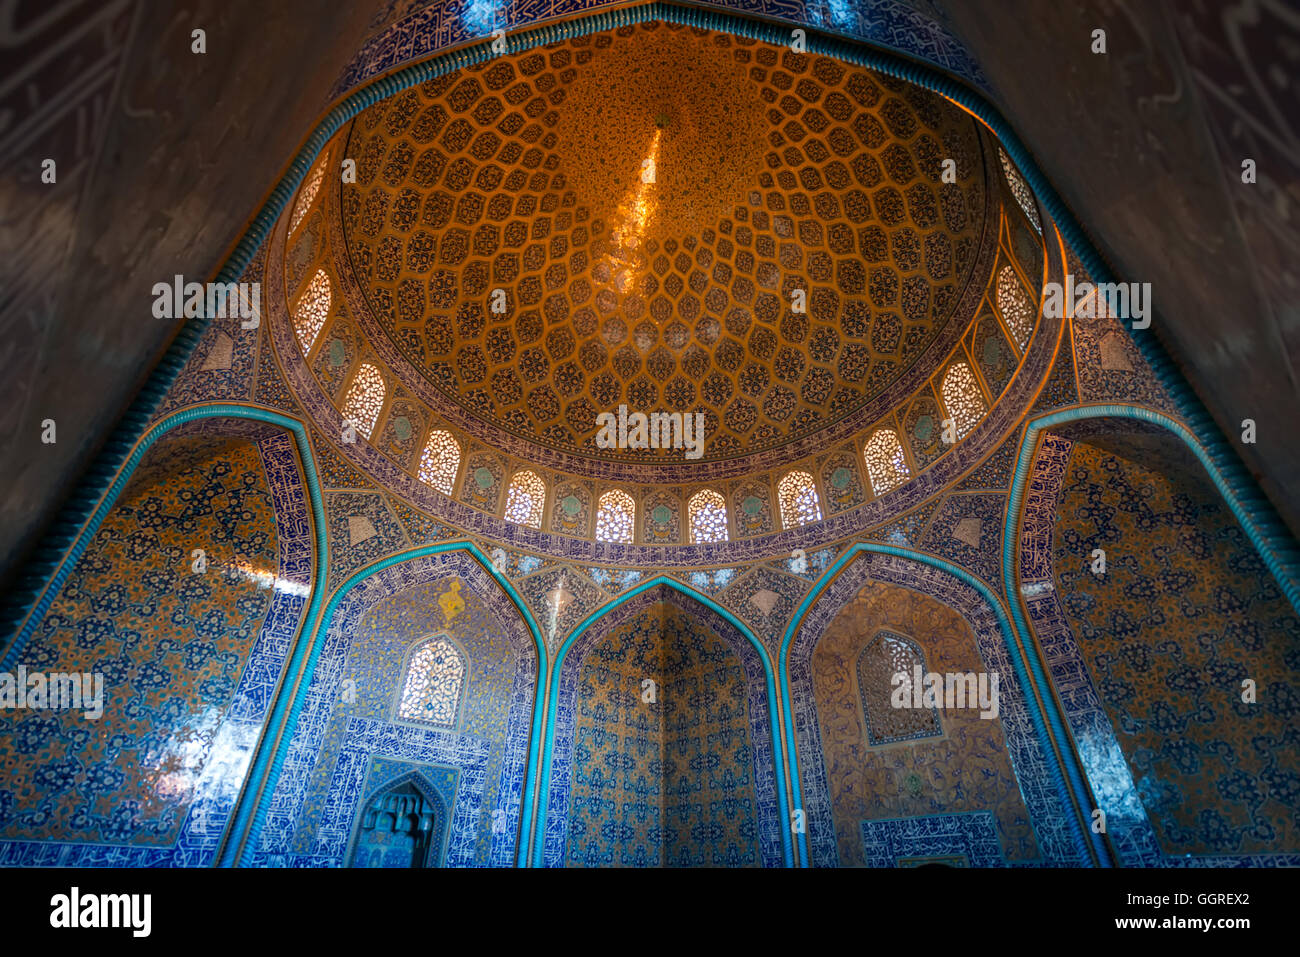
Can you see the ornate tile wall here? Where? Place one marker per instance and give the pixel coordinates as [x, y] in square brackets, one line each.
[1149, 657]
[347, 718]
[1048, 815]
[154, 781]
[709, 633]
[966, 767]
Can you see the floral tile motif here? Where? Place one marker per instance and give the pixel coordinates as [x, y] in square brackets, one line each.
[908, 531]
[998, 468]
[420, 528]
[560, 598]
[334, 470]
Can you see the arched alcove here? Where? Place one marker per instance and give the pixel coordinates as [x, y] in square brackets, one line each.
[662, 751]
[1163, 619]
[177, 614]
[349, 725]
[977, 793]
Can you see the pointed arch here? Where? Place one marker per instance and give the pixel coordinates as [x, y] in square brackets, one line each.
[1030, 715]
[433, 682]
[563, 687]
[615, 517]
[365, 399]
[307, 195]
[1020, 189]
[312, 309]
[1013, 303]
[322, 674]
[962, 399]
[707, 513]
[440, 461]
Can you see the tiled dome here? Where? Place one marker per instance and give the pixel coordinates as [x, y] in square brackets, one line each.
[515, 248]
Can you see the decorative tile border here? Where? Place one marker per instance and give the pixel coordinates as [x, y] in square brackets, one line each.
[887, 23]
[972, 835]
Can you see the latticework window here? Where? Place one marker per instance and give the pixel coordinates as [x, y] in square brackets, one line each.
[886, 466]
[614, 515]
[962, 398]
[1020, 189]
[307, 195]
[434, 681]
[312, 310]
[365, 399]
[886, 656]
[440, 461]
[798, 497]
[525, 498]
[1015, 306]
[708, 515]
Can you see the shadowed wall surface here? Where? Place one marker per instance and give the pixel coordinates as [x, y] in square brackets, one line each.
[1184, 613]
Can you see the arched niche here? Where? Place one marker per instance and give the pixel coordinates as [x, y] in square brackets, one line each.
[978, 793]
[401, 824]
[185, 598]
[1155, 606]
[347, 720]
[694, 781]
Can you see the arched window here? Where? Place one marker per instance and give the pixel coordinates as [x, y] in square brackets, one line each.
[614, 515]
[1020, 189]
[307, 195]
[524, 499]
[312, 310]
[365, 399]
[798, 497]
[886, 466]
[434, 681]
[708, 515]
[961, 397]
[440, 461]
[1015, 307]
[885, 656]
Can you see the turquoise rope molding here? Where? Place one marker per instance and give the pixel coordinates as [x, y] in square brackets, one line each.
[1042, 713]
[257, 809]
[778, 751]
[63, 532]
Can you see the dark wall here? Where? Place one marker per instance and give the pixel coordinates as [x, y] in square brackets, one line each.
[161, 156]
[1145, 143]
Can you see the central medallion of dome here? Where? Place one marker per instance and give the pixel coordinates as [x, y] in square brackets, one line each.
[664, 219]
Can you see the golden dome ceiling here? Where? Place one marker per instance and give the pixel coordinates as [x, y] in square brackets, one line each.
[648, 201]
